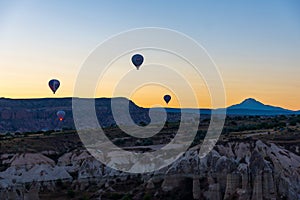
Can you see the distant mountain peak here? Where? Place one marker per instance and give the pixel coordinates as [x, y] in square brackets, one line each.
[251, 101]
[253, 104]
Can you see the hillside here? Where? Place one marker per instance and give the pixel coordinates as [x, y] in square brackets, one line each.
[32, 115]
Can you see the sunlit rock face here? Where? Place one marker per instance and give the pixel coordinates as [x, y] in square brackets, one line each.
[233, 170]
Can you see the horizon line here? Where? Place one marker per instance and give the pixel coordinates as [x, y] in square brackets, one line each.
[199, 108]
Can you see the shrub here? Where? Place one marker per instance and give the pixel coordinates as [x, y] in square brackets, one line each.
[47, 133]
[147, 142]
[59, 183]
[84, 197]
[293, 121]
[142, 123]
[71, 194]
[147, 197]
[126, 197]
[119, 142]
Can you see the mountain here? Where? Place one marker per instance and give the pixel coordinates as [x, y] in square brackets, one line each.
[252, 104]
[22, 115]
[253, 107]
[249, 106]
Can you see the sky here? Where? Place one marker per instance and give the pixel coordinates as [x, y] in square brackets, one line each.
[255, 44]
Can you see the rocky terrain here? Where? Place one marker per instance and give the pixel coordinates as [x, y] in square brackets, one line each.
[256, 157]
[245, 169]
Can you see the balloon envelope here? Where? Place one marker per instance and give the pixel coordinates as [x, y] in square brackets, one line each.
[137, 60]
[167, 98]
[54, 85]
[61, 115]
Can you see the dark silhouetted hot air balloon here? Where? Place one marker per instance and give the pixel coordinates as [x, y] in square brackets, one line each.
[54, 85]
[61, 115]
[167, 98]
[137, 60]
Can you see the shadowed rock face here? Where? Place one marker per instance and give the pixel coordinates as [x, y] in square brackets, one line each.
[31, 115]
[236, 170]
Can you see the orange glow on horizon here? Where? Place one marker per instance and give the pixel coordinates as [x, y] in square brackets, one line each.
[290, 103]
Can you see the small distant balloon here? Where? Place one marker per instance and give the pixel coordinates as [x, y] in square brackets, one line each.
[137, 60]
[167, 98]
[61, 115]
[54, 85]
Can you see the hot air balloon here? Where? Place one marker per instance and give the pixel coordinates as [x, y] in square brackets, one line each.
[61, 115]
[54, 85]
[167, 98]
[137, 60]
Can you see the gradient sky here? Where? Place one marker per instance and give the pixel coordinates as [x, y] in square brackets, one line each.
[256, 44]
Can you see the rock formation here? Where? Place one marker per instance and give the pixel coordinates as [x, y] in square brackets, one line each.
[235, 170]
